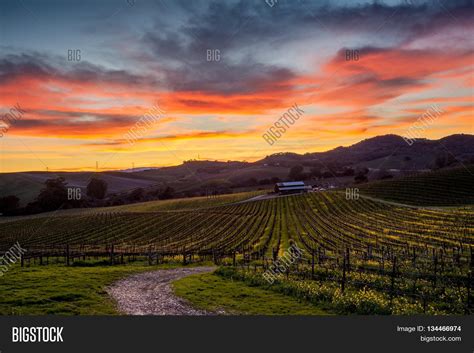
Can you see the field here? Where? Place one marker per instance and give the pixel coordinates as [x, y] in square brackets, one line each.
[449, 187]
[316, 220]
[216, 293]
[46, 290]
[359, 256]
[28, 185]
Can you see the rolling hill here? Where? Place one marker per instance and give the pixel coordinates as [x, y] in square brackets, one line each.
[389, 152]
[445, 187]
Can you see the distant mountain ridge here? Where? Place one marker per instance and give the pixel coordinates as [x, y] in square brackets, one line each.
[387, 152]
[421, 154]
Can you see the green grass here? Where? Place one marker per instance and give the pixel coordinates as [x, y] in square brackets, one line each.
[80, 290]
[61, 290]
[214, 293]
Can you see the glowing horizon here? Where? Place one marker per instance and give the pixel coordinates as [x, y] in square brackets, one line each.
[357, 71]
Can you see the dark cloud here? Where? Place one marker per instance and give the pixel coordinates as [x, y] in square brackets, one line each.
[240, 28]
[38, 66]
[12, 66]
[241, 31]
[56, 122]
[235, 24]
[399, 82]
[245, 77]
[79, 117]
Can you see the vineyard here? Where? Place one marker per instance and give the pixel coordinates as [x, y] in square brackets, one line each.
[414, 259]
[447, 187]
[316, 220]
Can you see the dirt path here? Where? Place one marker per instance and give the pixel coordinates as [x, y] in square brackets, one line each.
[150, 293]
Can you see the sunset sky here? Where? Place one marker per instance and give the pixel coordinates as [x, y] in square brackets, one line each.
[138, 55]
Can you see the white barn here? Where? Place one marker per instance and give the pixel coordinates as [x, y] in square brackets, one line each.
[291, 187]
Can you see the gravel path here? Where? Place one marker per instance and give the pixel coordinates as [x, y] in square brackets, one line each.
[150, 293]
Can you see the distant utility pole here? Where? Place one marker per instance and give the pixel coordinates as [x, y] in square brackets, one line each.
[97, 166]
[133, 165]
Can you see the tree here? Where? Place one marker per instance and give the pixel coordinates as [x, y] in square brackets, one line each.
[444, 160]
[360, 178]
[316, 172]
[363, 171]
[264, 181]
[136, 194]
[53, 196]
[348, 172]
[361, 175]
[97, 188]
[275, 180]
[9, 203]
[249, 182]
[384, 174]
[327, 174]
[168, 193]
[296, 172]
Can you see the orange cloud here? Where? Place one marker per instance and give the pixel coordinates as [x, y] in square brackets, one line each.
[382, 74]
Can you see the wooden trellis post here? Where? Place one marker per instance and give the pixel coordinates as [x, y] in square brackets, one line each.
[112, 255]
[67, 255]
[343, 282]
[392, 279]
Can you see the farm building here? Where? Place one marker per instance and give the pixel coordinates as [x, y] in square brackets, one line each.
[291, 187]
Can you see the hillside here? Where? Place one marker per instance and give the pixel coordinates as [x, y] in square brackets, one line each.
[27, 185]
[446, 187]
[389, 151]
[194, 178]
